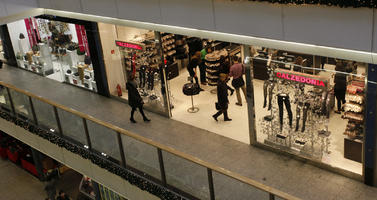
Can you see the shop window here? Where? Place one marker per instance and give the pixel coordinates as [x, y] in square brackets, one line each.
[311, 108]
[57, 50]
[134, 53]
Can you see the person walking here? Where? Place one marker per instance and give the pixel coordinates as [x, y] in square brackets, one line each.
[50, 187]
[236, 71]
[192, 67]
[224, 68]
[340, 86]
[203, 66]
[222, 98]
[134, 99]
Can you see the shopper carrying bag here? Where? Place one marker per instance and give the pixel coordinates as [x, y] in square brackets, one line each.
[236, 71]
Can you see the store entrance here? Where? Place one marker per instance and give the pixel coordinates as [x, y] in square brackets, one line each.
[198, 109]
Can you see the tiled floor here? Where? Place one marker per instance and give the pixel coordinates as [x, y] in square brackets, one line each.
[16, 183]
[289, 175]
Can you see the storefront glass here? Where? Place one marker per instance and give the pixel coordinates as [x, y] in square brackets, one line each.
[134, 53]
[311, 106]
[53, 49]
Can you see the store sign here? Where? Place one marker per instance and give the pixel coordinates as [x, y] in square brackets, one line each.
[301, 78]
[129, 45]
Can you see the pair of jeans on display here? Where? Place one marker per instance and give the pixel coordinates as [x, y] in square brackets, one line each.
[304, 107]
[268, 87]
[284, 98]
[150, 80]
[142, 79]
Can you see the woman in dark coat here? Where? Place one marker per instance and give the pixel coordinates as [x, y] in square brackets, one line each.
[222, 98]
[134, 99]
[340, 86]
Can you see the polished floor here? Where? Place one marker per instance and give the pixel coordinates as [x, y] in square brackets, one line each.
[281, 172]
[18, 184]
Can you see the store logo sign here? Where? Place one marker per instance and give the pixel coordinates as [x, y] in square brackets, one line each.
[300, 79]
[128, 45]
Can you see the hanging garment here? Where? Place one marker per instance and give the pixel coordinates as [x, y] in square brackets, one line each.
[268, 87]
[142, 72]
[304, 107]
[284, 98]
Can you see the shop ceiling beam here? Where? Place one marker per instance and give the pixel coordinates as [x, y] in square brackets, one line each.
[22, 15]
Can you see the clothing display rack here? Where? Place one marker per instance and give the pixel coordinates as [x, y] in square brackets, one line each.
[354, 113]
[212, 61]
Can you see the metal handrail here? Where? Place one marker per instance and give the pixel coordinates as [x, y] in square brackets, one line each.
[272, 191]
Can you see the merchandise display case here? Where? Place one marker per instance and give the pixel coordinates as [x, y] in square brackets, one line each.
[56, 50]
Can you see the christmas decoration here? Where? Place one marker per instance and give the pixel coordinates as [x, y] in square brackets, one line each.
[339, 3]
[95, 158]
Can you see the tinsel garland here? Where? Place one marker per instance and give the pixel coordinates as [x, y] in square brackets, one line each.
[96, 159]
[339, 3]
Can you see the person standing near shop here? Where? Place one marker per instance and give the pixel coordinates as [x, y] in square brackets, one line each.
[203, 67]
[236, 71]
[63, 196]
[134, 99]
[224, 68]
[192, 67]
[222, 98]
[340, 86]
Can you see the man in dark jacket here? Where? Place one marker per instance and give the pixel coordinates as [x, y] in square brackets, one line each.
[134, 99]
[222, 98]
[340, 86]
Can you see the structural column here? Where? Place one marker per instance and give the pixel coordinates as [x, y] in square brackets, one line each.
[370, 161]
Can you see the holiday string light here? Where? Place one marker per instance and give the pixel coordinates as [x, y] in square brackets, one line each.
[339, 3]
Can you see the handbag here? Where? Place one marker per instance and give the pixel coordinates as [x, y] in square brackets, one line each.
[238, 82]
[217, 106]
[191, 89]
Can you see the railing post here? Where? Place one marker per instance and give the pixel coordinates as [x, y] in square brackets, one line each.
[162, 167]
[58, 121]
[33, 111]
[121, 150]
[88, 141]
[272, 196]
[210, 184]
[11, 102]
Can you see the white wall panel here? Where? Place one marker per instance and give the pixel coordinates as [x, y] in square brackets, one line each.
[17, 6]
[140, 10]
[249, 18]
[3, 9]
[374, 44]
[67, 5]
[349, 28]
[100, 7]
[188, 13]
[44, 4]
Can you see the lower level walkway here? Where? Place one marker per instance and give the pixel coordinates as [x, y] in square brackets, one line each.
[16, 183]
[281, 172]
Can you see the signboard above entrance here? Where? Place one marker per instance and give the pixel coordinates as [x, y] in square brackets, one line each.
[301, 77]
[129, 45]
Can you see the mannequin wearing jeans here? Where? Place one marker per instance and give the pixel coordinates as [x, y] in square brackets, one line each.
[284, 98]
[304, 107]
[268, 87]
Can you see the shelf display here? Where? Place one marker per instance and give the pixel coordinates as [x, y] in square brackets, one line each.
[141, 59]
[53, 49]
[213, 62]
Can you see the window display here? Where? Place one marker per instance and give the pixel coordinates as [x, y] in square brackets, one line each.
[53, 49]
[312, 113]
